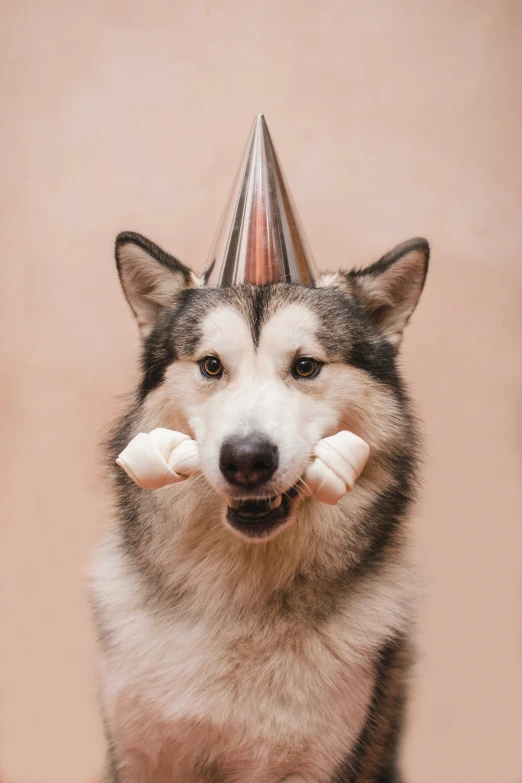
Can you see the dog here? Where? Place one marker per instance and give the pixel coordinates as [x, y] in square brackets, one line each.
[247, 634]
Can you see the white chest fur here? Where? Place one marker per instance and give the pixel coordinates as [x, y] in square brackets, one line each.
[222, 696]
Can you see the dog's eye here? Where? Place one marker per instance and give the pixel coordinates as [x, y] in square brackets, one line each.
[306, 368]
[211, 367]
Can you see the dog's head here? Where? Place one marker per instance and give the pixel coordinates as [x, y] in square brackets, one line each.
[258, 374]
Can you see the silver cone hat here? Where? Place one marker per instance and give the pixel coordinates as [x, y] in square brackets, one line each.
[260, 238]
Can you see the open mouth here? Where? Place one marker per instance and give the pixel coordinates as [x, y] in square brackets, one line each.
[259, 517]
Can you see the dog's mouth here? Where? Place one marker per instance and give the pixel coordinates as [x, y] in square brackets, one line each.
[260, 517]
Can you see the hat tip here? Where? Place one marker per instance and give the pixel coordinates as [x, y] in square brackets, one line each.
[260, 239]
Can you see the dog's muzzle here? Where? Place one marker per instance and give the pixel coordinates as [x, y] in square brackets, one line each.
[259, 518]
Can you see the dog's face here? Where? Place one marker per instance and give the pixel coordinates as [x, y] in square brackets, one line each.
[259, 374]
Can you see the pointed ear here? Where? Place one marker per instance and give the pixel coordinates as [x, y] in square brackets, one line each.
[150, 278]
[391, 287]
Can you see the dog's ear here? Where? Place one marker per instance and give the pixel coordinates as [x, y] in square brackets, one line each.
[390, 288]
[150, 278]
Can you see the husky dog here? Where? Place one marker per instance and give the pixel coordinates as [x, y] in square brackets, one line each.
[248, 634]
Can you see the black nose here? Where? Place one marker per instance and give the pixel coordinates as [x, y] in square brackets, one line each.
[248, 461]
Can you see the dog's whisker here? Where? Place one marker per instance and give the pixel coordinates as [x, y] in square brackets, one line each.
[211, 344]
[303, 482]
[295, 327]
[215, 324]
[195, 479]
[184, 460]
[299, 492]
[257, 391]
[188, 456]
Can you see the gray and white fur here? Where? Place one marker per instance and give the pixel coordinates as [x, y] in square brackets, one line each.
[273, 652]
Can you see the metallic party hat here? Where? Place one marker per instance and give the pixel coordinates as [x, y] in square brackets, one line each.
[260, 238]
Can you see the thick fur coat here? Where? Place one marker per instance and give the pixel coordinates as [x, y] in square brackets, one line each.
[228, 659]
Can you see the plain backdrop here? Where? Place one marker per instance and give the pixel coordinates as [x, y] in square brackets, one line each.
[392, 119]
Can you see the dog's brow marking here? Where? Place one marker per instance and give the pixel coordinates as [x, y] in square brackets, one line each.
[295, 327]
[212, 343]
[215, 324]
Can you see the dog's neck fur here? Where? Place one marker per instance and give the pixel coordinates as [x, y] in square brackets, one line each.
[311, 570]
[292, 605]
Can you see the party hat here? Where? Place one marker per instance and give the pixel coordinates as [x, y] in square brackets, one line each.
[260, 238]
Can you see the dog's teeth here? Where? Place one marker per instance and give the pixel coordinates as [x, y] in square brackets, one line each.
[255, 508]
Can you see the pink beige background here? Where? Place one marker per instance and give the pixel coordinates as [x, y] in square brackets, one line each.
[392, 119]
